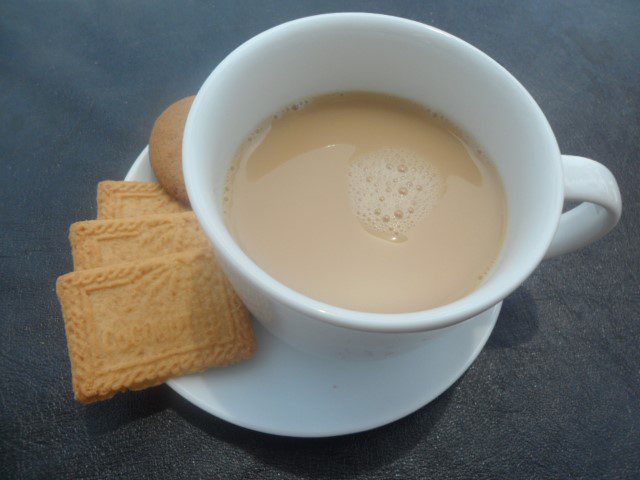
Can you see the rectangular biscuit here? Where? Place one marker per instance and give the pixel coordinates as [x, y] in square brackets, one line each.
[97, 243]
[134, 325]
[131, 199]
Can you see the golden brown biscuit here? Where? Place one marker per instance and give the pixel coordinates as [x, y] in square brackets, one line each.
[132, 326]
[132, 199]
[165, 148]
[97, 243]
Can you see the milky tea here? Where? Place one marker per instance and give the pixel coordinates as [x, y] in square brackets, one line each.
[367, 202]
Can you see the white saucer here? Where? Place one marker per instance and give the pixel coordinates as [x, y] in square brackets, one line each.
[286, 392]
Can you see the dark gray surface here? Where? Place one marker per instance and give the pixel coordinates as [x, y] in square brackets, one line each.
[555, 394]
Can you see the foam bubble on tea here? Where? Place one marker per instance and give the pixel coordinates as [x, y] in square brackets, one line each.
[392, 189]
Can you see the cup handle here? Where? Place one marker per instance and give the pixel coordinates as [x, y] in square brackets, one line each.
[601, 207]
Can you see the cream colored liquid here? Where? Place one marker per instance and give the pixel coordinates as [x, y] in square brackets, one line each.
[366, 202]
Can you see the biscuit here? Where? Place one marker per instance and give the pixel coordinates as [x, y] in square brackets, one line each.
[132, 326]
[131, 199]
[97, 243]
[165, 148]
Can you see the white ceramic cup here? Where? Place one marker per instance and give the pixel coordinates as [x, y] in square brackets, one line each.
[357, 51]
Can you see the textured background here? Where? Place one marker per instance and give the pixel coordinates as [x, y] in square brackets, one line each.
[556, 392]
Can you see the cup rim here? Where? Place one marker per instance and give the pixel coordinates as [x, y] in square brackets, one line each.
[423, 320]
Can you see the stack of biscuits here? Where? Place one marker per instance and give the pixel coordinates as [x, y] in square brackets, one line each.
[147, 300]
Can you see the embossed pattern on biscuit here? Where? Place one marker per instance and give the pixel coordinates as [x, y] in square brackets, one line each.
[97, 243]
[132, 326]
[131, 199]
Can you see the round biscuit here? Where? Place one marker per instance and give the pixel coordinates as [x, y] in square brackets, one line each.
[165, 148]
